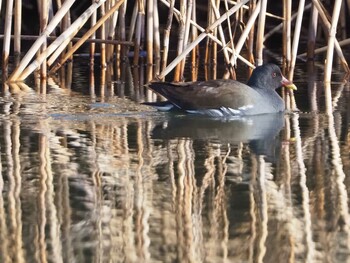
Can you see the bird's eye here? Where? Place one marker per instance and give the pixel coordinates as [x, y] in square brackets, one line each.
[274, 74]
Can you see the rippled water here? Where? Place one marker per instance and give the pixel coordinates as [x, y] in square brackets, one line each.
[87, 178]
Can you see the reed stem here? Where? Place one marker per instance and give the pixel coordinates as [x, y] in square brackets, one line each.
[260, 33]
[322, 12]
[331, 43]
[102, 31]
[156, 37]
[138, 31]
[296, 38]
[180, 41]
[287, 10]
[17, 30]
[150, 28]
[93, 36]
[311, 41]
[166, 35]
[7, 38]
[246, 32]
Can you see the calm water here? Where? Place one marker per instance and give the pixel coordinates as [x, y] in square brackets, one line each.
[91, 177]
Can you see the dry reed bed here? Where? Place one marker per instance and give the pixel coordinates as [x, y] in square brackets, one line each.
[230, 27]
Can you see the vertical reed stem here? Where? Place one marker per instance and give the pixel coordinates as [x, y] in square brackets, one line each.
[252, 6]
[156, 38]
[7, 39]
[93, 36]
[44, 12]
[296, 38]
[311, 41]
[111, 26]
[209, 41]
[331, 40]
[194, 35]
[324, 17]
[260, 33]
[216, 8]
[138, 31]
[187, 31]
[150, 28]
[287, 10]
[122, 31]
[133, 21]
[167, 34]
[17, 30]
[245, 32]
[103, 37]
[180, 42]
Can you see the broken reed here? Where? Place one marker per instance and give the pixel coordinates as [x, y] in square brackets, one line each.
[230, 27]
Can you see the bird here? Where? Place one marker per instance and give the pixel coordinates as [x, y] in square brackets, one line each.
[225, 97]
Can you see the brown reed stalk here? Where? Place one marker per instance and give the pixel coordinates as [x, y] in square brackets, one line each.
[93, 36]
[111, 29]
[17, 31]
[324, 18]
[287, 10]
[37, 44]
[280, 26]
[207, 56]
[150, 29]
[245, 33]
[252, 6]
[138, 31]
[296, 38]
[133, 20]
[103, 36]
[229, 69]
[260, 33]
[156, 37]
[122, 31]
[180, 39]
[88, 34]
[194, 35]
[44, 18]
[187, 31]
[311, 40]
[7, 38]
[341, 43]
[167, 34]
[66, 23]
[214, 50]
[216, 8]
[330, 50]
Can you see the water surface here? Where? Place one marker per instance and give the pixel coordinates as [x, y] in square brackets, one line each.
[89, 175]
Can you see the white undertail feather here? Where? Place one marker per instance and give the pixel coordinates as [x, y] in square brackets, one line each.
[222, 111]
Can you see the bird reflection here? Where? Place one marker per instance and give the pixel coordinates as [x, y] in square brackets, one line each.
[259, 131]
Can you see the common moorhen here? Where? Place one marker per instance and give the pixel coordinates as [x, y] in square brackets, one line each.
[225, 97]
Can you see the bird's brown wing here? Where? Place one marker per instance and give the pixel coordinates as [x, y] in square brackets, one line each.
[205, 95]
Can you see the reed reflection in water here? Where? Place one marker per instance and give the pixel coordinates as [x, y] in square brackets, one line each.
[95, 181]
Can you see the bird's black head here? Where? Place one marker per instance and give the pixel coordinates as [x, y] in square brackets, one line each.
[269, 76]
